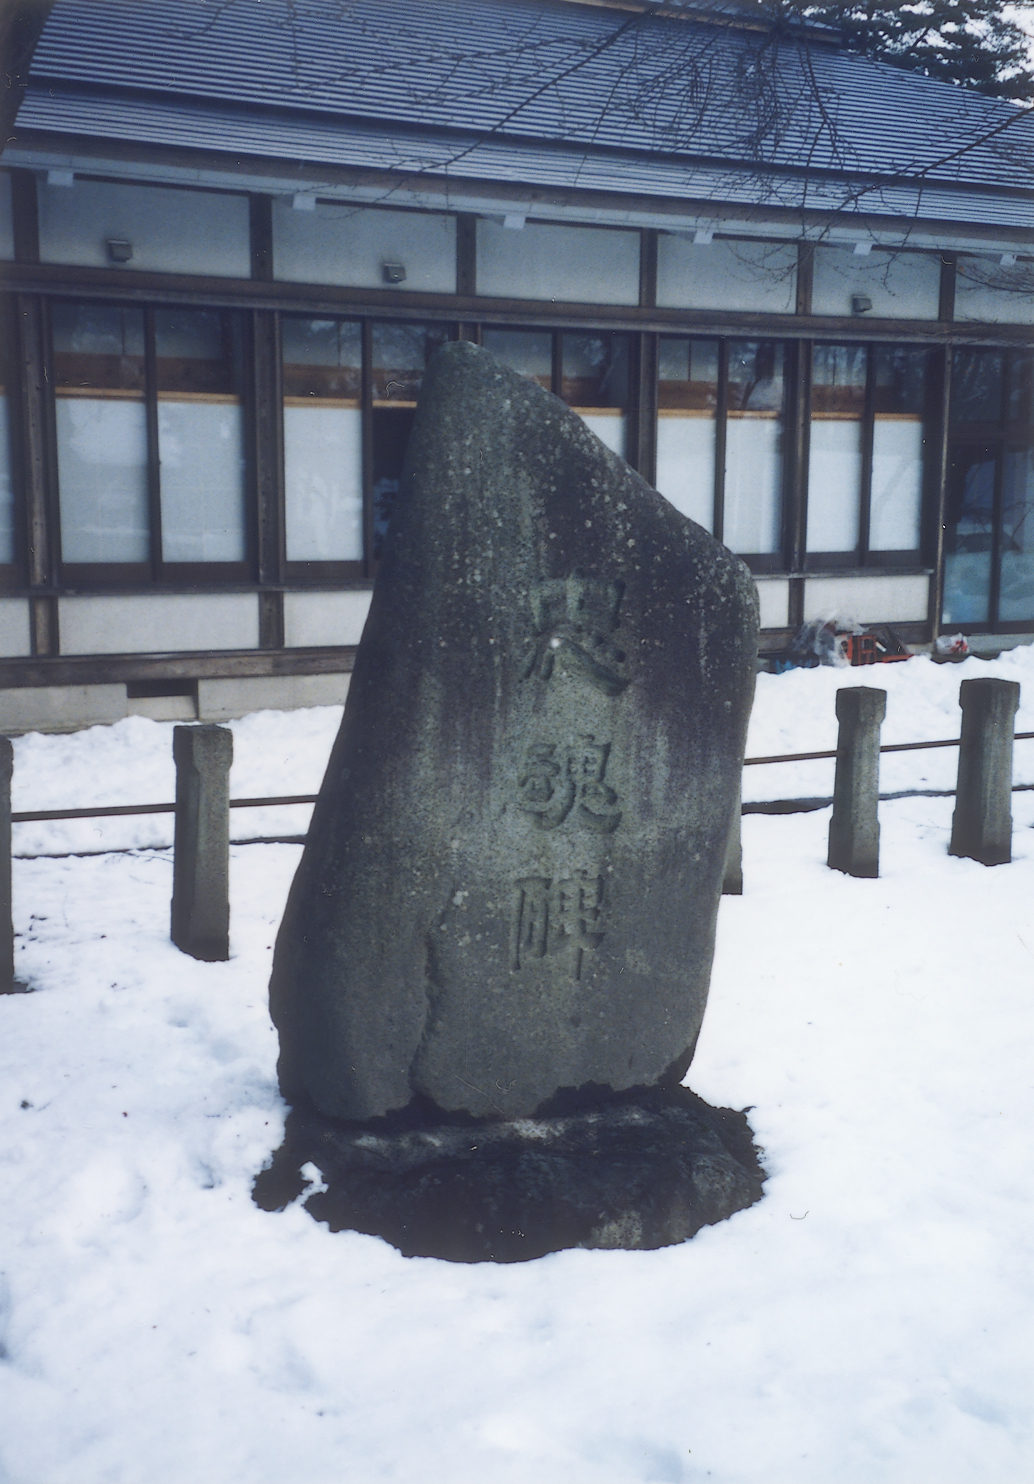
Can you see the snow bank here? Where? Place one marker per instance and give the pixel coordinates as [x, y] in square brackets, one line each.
[867, 1323]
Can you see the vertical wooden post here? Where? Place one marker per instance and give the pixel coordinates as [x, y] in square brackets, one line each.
[854, 831]
[201, 860]
[981, 826]
[7, 984]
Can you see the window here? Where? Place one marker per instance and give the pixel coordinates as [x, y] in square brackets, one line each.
[687, 420]
[989, 507]
[720, 439]
[323, 439]
[753, 495]
[348, 414]
[150, 442]
[865, 454]
[587, 370]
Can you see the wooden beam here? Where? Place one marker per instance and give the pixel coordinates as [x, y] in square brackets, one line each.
[115, 669]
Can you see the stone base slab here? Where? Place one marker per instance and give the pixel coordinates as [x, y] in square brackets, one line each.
[645, 1170]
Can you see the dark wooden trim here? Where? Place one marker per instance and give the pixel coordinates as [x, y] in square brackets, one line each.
[302, 575]
[946, 295]
[805, 276]
[868, 434]
[940, 459]
[25, 216]
[557, 371]
[795, 603]
[154, 491]
[720, 424]
[798, 435]
[260, 228]
[116, 669]
[121, 285]
[271, 620]
[266, 439]
[648, 268]
[44, 637]
[32, 417]
[466, 254]
[645, 354]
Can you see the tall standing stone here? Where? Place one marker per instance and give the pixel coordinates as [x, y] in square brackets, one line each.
[513, 870]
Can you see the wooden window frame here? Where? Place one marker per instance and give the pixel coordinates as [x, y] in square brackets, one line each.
[861, 558]
[156, 573]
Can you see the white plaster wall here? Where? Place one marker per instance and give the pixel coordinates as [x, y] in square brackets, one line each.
[158, 624]
[726, 275]
[313, 619]
[60, 708]
[774, 596]
[349, 245]
[583, 265]
[869, 599]
[6, 221]
[904, 285]
[220, 700]
[985, 290]
[171, 231]
[14, 627]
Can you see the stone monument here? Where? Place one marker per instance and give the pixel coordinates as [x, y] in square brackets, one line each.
[506, 906]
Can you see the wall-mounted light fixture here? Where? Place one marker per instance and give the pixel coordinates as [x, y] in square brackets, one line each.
[1007, 260]
[862, 249]
[393, 272]
[515, 220]
[860, 303]
[119, 250]
[303, 201]
[703, 235]
[60, 177]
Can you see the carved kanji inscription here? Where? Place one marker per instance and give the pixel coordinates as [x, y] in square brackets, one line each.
[554, 778]
[573, 618]
[558, 917]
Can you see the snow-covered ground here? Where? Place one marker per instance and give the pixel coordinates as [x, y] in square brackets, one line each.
[869, 1321]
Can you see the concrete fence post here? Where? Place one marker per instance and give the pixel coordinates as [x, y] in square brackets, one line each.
[732, 882]
[854, 830]
[7, 984]
[981, 826]
[201, 863]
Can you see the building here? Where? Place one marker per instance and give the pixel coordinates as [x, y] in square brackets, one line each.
[793, 287]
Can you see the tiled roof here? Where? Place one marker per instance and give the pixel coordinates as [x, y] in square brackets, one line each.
[541, 91]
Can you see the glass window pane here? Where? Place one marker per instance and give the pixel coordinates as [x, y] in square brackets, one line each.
[6, 487]
[1016, 596]
[200, 436]
[967, 536]
[400, 354]
[896, 500]
[594, 383]
[754, 447]
[101, 426]
[528, 351]
[687, 398]
[976, 386]
[323, 445]
[835, 447]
